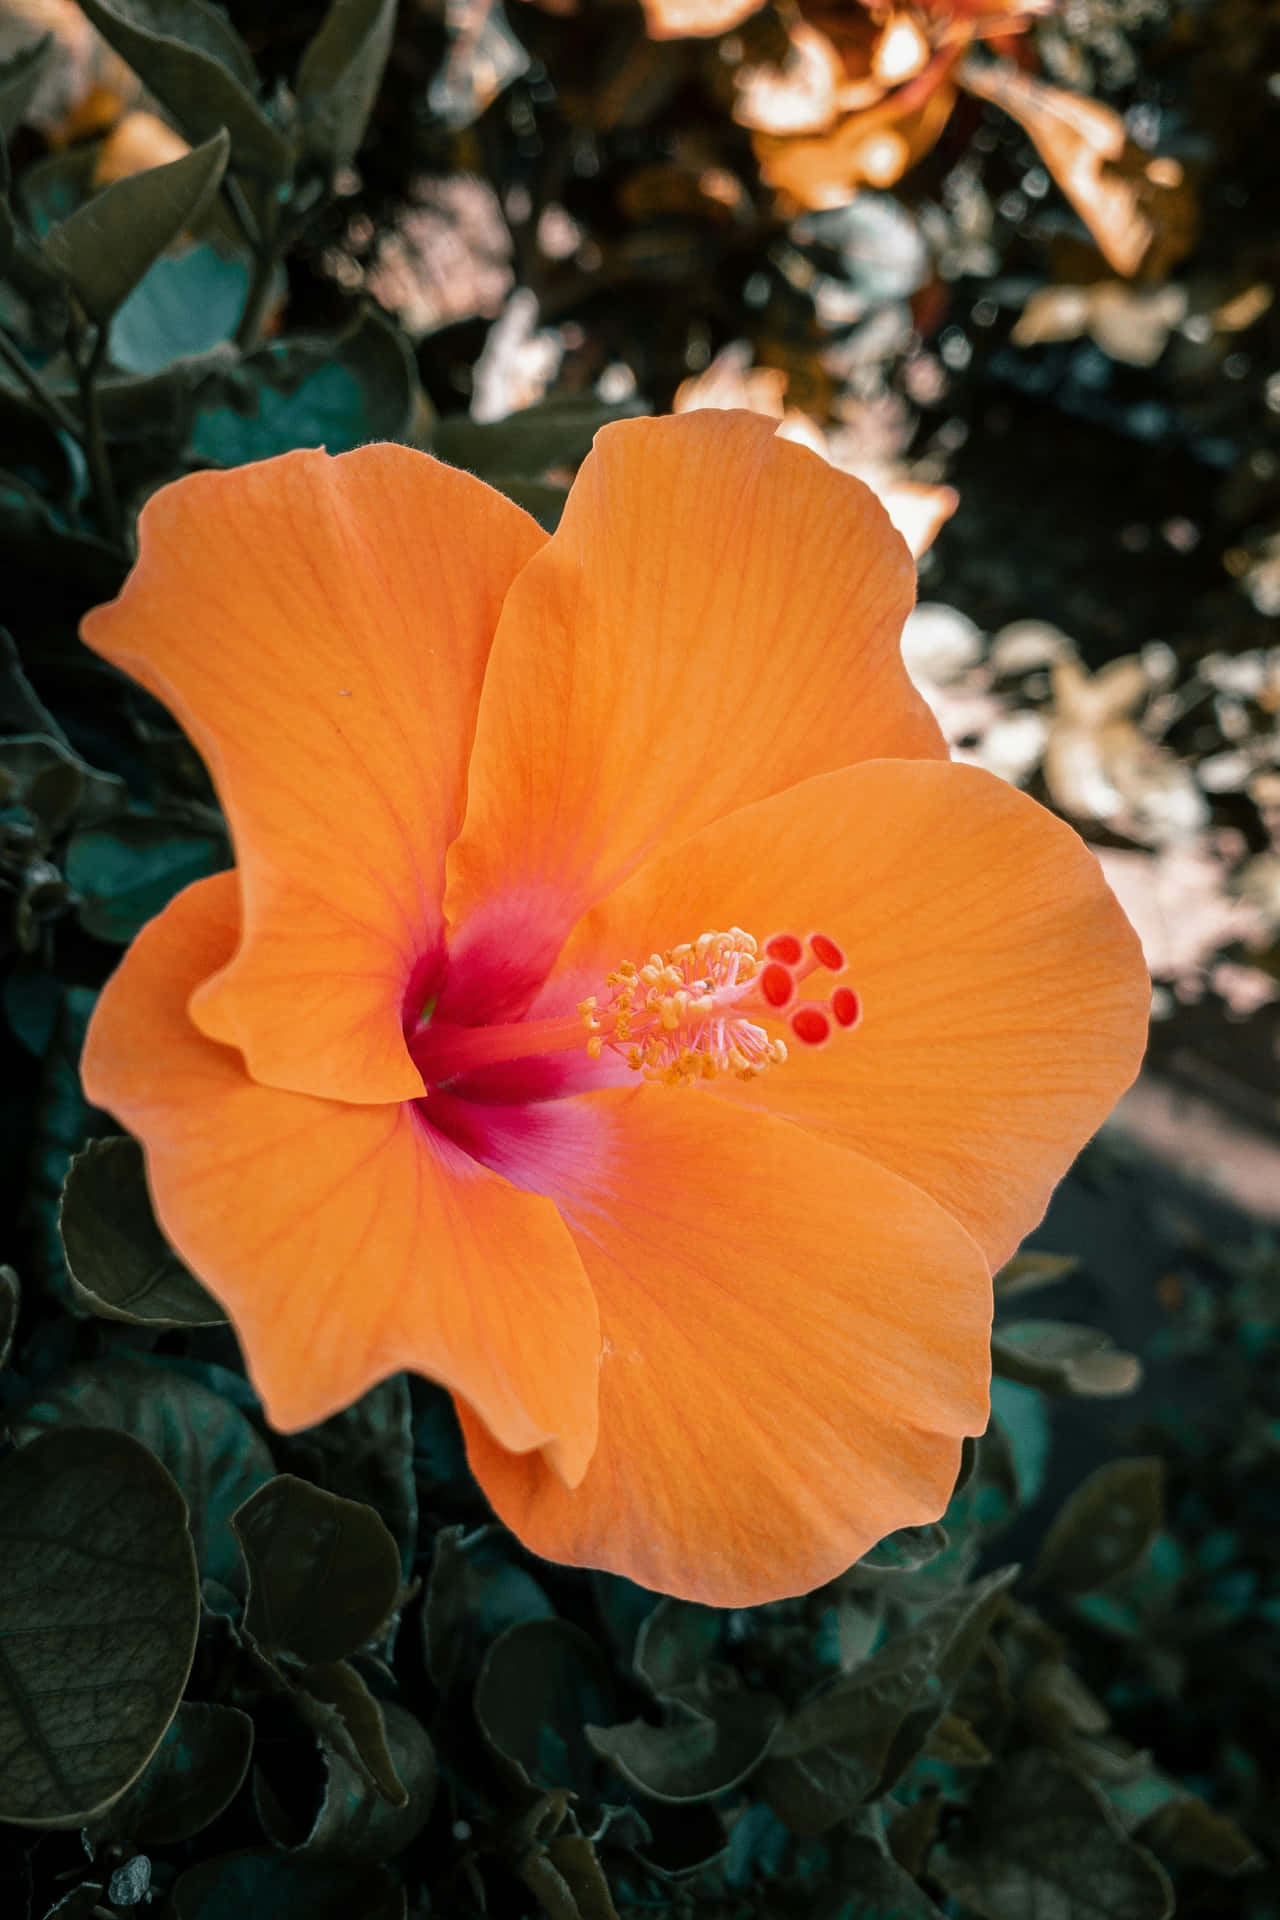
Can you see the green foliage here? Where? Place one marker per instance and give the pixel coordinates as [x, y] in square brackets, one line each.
[392, 1708]
[99, 1608]
[193, 60]
[323, 1572]
[118, 1261]
[338, 79]
[105, 246]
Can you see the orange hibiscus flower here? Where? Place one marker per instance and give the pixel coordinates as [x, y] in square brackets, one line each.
[700, 1243]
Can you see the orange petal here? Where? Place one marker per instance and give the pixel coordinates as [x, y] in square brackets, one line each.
[794, 1342]
[345, 1242]
[320, 628]
[716, 617]
[1004, 994]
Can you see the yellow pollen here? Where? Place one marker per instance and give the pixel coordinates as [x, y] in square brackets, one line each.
[687, 1014]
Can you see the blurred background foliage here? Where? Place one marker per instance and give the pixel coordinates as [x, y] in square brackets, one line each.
[1015, 266]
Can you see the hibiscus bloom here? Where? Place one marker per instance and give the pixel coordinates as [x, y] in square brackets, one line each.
[699, 1243]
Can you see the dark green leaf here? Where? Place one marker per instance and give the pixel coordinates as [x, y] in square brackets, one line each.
[526, 445]
[1029, 1270]
[106, 245]
[365, 1453]
[53, 188]
[574, 1859]
[682, 1841]
[20, 80]
[206, 1443]
[693, 1758]
[911, 1832]
[1187, 1833]
[121, 1265]
[1037, 1839]
[339, 76]
[190, 57]
[543, 500]
[1058, 1357]
[126, 870]
[10, 1301]
[355, 1822]
[676, 1642]
[324, 1573]
[475, 1591]
[53, 782]
[541, 1683]
[284, 1886]
[35, 534]
[874, 1887]
[1019, 1424]
[1104, 1528]
[336, 1704]
[855, 1736]
[186, 303]
[62, 1126]
[99, 1609]
[906, 1550]
[194, 1775]
[311, 393]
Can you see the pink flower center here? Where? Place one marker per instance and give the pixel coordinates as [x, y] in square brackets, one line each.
[693, 1013]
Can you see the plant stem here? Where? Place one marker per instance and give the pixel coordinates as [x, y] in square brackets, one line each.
[94, 440]
[37, 389]
[266, 257]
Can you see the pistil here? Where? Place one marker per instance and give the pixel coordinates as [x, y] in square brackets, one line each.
[692, 1013]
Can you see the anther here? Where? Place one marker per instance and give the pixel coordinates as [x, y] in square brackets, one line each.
[811, 1025]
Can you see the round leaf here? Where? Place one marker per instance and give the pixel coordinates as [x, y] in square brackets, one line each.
[541, 1683]
[1038, 1839]
[357, 1823]
[126, 870]
[1104, 1528]
[99, 1609]
[324, 1572]
[206, 1443]
[194, 1775]
[696, 1758]
[121, 1265]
